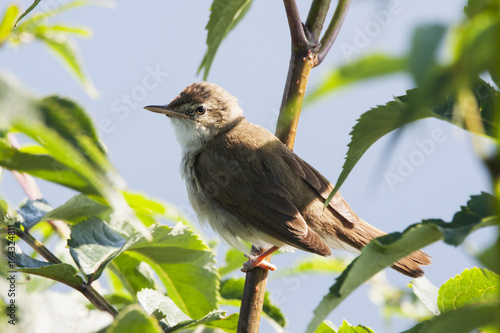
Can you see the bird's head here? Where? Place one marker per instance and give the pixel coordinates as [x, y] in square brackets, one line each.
[200, 112]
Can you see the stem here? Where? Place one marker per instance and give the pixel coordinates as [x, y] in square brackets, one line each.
[333, 29]
[33, 192]
[299, 39]
[317, 16]
[90, 293]
[300, 67]
[38, 247]
[303, 58]
[253, 298]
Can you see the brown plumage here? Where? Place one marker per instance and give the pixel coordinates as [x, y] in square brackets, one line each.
[249, 186]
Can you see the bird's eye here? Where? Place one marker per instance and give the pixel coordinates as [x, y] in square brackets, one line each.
[200, 110]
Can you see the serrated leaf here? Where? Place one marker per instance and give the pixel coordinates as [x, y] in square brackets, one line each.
[347, 328]
[462, 320]
[422, 62]
[7, 23]
[76, 158]
[427, 293]
[45, 167]
[224, 16]
[472, 286]
[133, 273]
[384, 251]
[78, 208]
[93, 244]
[69, 54]
[368, 67]
[325, 327]
[133, 319]
[32, 211]
[184, 264]
[64, 273]
[73, 124]
[164, 309]
[379, 121]
[232, 289]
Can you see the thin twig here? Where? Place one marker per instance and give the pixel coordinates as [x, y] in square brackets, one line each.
[38, 247]
[299, 39]
[90, 293]
[33, 192]
[333, 29]
[317, 16]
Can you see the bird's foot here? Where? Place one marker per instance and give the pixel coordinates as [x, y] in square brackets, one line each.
[257, 261]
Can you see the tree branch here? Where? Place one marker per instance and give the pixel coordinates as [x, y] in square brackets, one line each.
[317, 16]
[299, 39]
[303, 58]
[253, 298]
[333, 29]
[90, 293]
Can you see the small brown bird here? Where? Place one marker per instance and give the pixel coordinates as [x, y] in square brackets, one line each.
[250, 187]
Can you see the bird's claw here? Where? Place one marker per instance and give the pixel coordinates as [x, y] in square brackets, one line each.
[257, 262]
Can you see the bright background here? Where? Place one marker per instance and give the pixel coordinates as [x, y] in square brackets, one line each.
[137, 37]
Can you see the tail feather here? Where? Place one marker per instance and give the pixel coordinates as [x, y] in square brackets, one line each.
[364, 233]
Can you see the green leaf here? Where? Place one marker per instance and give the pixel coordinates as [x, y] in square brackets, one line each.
[232, 289]
[64, 273]
[224, 16]
[69, 54]
[71, 142]
[234, 261]
[379, 121]
[347, 328]
[184, 264]
[422, 62]
[133, 273]
[317, 265]
[32, 211]
[472, 286]
[43, 166]
[77, 209]
[27, 11]
[427, 293]
[73, 124]
[462, 320]
[325, 327]
[164, 309]
[133, 319]
[7, 23]
[475, 7]
[368, 67]
[384, 251]
[93, 244]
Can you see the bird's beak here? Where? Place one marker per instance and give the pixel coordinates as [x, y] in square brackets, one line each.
[165, 109]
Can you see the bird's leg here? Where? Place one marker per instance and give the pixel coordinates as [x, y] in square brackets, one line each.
[259, 261]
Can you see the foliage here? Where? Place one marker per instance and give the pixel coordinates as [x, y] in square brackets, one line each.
[166, 278]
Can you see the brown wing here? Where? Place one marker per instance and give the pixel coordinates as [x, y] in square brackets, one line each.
[322, 186]
[247, 191]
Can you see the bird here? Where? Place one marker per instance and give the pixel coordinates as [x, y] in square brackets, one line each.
[252, 188]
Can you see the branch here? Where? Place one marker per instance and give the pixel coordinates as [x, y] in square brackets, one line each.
[253, 298]
[33, 191]
[304, 57]
[90, 293]
[333, 29]
[299, 39]
[317, 16]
